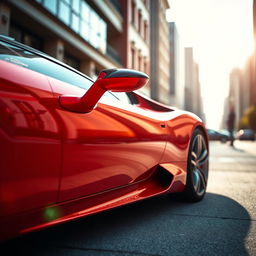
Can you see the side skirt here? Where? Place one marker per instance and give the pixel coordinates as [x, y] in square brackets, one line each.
[166, 178]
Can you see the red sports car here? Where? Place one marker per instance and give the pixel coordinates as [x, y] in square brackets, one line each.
[71, 147]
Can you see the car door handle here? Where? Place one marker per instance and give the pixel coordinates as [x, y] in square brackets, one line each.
[162, 125]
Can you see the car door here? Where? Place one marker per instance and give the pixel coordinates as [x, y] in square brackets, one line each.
[30, 145]
[114, 145]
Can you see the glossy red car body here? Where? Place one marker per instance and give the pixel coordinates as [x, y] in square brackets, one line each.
[57, 165]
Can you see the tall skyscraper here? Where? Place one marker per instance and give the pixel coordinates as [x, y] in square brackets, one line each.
[159, 51]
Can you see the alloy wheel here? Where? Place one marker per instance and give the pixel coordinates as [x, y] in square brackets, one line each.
[199, 164]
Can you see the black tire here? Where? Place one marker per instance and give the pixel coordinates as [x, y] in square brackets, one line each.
[197, 168]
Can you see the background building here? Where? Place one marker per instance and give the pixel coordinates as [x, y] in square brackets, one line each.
[226, 105]
[78, 33]
[234, 95]
[88, 35]
[193, 98]
[159, 51]
[242, 84]
[189, 70]
[134, 43]
[253, 84]
[177, 75]
[91, 35]
[242, 91]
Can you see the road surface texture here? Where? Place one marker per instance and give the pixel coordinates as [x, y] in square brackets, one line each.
[224, 223]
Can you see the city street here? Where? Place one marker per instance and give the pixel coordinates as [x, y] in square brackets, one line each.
[224, 223]
[105, 104]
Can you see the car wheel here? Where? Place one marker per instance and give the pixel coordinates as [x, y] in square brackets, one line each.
[197, 167]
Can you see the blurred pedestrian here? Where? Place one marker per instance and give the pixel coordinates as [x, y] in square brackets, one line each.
[231, 124]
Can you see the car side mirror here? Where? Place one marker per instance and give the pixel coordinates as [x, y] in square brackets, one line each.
[115, 80]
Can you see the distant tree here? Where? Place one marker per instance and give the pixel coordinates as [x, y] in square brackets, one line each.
[252, 117]
[248, 120]
[243, 123]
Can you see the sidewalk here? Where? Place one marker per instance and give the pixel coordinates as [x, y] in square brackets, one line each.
[240, 157]
[233, 173]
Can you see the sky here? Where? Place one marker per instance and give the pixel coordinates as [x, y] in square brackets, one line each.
[221, 34]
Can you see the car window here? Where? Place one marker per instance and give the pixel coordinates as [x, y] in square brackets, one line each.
[34, 62]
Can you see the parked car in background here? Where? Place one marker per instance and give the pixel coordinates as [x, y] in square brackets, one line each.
[218, 135]
[71, 146]
[246, 134]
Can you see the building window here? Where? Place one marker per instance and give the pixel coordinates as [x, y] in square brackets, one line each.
[71, 61]
[147, 4]
[75, 23]
[94, 30]
[139, 21]
[82, 19]
[103, 36]
[84, 31]
[25, 37]
[64, 12]
[75, 19]
[145, 66]
[85, 19]
[76, 5]
[146, 31]
[51, 5]
[142, 28]
[133, 57]
[133, 13]
[140, 63]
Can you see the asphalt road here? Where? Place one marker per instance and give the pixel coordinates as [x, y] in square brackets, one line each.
[224, 223]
